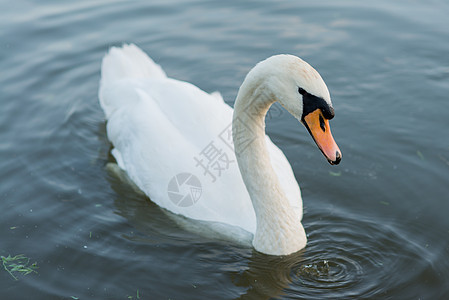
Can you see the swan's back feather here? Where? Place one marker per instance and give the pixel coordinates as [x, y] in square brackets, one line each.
[128, 62]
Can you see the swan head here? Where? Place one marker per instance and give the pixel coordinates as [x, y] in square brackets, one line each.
[299, 88]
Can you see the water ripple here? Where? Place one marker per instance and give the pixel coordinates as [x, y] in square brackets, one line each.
[347, 257]
[356, 258]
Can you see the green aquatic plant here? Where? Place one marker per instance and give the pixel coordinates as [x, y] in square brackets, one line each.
[19, 264]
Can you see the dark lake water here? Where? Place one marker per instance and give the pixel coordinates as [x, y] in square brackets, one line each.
[377, 224]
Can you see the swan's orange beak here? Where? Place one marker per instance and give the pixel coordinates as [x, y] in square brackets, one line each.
[319, 129]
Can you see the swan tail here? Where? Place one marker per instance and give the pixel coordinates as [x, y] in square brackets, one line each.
[128, 61]
[124, 63]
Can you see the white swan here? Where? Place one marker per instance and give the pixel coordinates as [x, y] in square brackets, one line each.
[170, 135]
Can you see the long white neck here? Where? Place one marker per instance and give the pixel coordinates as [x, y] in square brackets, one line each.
[279, 230]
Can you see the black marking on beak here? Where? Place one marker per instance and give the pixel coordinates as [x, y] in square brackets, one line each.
[312, 103]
